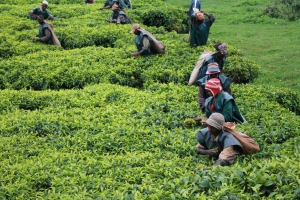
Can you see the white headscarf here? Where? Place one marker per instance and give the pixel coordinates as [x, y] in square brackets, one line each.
[45, 2]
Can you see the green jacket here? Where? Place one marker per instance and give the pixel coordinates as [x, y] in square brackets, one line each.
[42, 33]
[224, 140]
[38, 11]
[139, 44]
[199, 31]
[224, 104]
[123, 3]
[210, 59]
[120, 13]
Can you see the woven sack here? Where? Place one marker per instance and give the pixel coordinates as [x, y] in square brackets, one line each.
[249, 145]
[53, 36]
[196, 70]
[160, 47]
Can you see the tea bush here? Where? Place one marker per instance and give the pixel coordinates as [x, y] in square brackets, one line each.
[89, 66]
[112, 141]
[286, 9]
[172, 19]
[88, 121]
[84, 31]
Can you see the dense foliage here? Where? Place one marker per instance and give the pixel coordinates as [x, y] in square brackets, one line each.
[88, 121]
[286, 9]
[109, 141]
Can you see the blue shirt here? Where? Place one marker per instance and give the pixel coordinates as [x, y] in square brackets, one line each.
[192, 5]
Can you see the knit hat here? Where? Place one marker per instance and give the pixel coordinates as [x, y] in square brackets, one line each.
[135, 27]
[45, 2]
[214, 86]
[213, 68]
[216, 120]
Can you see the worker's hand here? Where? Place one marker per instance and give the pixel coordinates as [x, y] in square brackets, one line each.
[201, 169]
[204, 122]
[135, 54]
[197, 119]
[212, 153]
[36, 38]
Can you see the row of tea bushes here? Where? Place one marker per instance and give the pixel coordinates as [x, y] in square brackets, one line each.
[108, 141]
[70, 2]
[85, 26]
[61, 69]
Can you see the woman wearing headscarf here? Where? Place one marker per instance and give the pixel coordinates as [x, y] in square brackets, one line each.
[213, 71]
[221, 102]
[218, 57]
[214, 137]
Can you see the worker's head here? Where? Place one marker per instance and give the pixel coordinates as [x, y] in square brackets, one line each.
[221, 49]
[213, 87]
[213, 70]
[115, 7]
[135, 29]
[215, 123]
[40, 19]
[44, 5]
[199, 16]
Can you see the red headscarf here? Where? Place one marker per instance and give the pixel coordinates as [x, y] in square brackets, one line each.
[214, 86]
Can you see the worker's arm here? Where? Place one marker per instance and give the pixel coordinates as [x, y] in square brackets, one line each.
[46, 37]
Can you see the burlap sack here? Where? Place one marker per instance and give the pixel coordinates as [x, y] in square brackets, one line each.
[161, 48]
[196, 70]
[54, 38]
[249, 145]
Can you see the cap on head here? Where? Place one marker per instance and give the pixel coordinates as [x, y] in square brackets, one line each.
[216, 120]
[134, 27]
[199, 16]
[213, 68]
[45, 2]
[214, 86]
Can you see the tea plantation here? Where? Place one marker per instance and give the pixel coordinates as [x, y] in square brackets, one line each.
[88, 121]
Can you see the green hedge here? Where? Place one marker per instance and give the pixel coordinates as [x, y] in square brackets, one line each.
[89, 65]
[124, 130]
[109, 141]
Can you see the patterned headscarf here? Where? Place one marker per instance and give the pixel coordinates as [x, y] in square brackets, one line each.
[213, 68]
[214, 86]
